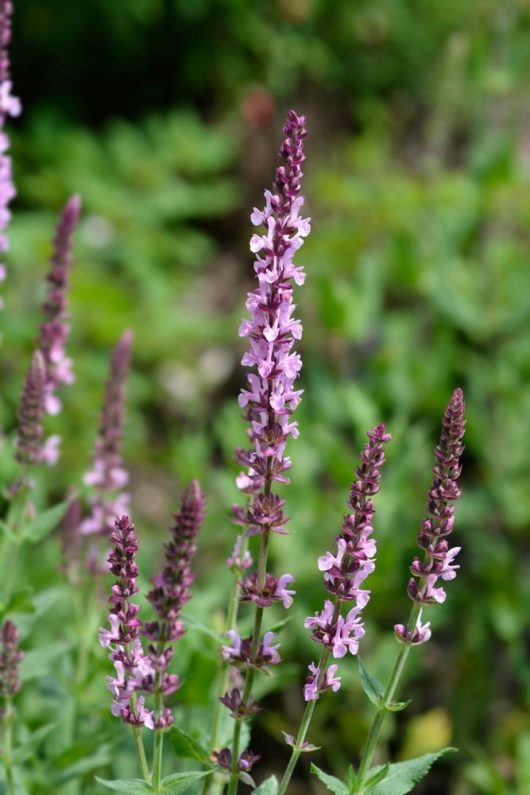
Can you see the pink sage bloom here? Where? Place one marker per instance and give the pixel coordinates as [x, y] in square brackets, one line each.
[438, 560]
[9, 106]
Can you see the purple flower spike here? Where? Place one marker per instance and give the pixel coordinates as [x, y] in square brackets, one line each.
[438, 562]
[171, 593]
[123, 637]
[10, 658]
[30, 413]
[108, 475]
[55, 328]
[270, 397]
[9, 106]
[346, 570]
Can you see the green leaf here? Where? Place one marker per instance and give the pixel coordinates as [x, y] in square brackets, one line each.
[352, 779]
[397, 706]
[335, 785]
[371, 686]
[186, 747]
[4, 527]
[267, 787]
[131, 786]
[402, 777]
[44, 523]
[31, 743]
[247, 779]
[38, 662]
[380, 774]
[19, 602]
[180, 782]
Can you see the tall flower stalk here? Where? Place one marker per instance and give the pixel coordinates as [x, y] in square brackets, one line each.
[437, 562]
[55, 328]
[168, 597]
[9, 106]
[123, 638]
[344, 572]
[108, 475]
[269, 400]
[10, 658]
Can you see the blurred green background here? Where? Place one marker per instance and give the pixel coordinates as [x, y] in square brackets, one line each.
[165, 115]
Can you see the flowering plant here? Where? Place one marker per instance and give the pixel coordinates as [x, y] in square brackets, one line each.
[101, 545]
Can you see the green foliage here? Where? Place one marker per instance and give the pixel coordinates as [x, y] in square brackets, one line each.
[331, 783]
[131, 786]
[180, 782]
[186, 747]
[417, 282]
[268, 787]
[402, 777]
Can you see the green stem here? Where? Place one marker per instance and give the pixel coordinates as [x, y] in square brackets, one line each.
[213, 785]
[231, 623]
[10, 548]
[157, 759]
[140, 750]
[387, 698]
[250, 674]
[158, 747]
[309, 710]
[8, 745]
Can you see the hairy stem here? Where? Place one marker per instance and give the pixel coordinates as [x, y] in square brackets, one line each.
[250, 674]
[231, 623]
[140, 750]
[387, 698]
[8, 745]
[308, 712]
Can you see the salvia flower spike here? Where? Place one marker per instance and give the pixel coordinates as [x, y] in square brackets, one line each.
[123, 640]
[270, 397]
[437, 562]
[10, 659]
[169, 595]
[344, 573]
[55, 328]
[438, 557]
[269, 400]
[31, 412]
[347, 568]
[108, 475]
[9, 106]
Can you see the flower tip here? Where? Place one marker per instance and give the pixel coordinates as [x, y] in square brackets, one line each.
[72, 208]
[192, 495]
[38, 366]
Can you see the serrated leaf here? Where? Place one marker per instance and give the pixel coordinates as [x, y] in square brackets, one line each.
[180, 782]
[371, 686]
[380, 774]
[335, 785]
[44, 523]
[267, 787]
[402, 777]
[131, 786]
